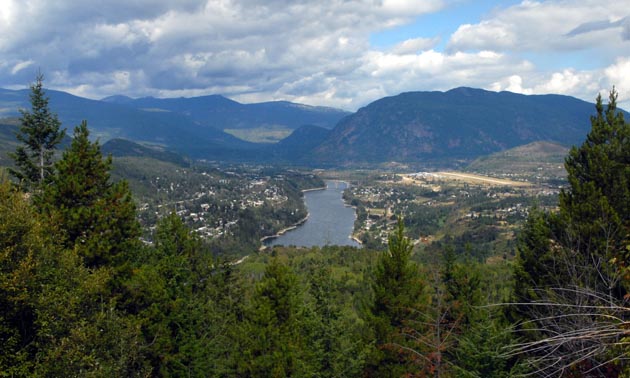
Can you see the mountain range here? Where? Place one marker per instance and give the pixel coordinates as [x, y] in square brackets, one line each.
[222, 113]
[416, 127]
[191, 126]
[462, 123]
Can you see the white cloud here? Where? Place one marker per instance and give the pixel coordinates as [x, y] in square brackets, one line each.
[566, 82]
[415, 45]
[488, 34]
[312, 52]
[544, 26]
[403, 7]
[513, 83]
[20, 66]
[618, 75]
[229, 45]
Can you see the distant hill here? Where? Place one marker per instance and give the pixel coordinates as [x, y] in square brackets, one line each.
[191, 126]
[459, 126]
[116, 147]
[301, 142]
[132, 161]
[222, 113]
[537, 158]
[124, 148]
[118, 99]
[8, 142]
[462, 123]
[108, 120]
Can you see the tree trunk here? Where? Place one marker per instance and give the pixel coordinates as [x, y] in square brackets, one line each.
[41, 165]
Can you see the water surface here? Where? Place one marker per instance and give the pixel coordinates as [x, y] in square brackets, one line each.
[330, 222]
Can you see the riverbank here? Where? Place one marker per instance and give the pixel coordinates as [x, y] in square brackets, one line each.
[283, 231]
[293, 226]
[314, 189]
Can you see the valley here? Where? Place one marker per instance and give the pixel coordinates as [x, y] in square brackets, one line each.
[181, 238]
[315, 189]
[233, 200]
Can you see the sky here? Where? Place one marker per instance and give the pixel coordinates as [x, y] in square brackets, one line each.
[339, 53]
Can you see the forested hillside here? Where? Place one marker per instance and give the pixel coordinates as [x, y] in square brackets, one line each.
[462, 123]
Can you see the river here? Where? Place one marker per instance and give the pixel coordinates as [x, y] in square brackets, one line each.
[330, 221]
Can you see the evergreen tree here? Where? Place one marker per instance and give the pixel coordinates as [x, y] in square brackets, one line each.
[334, 342]
[480, 352]
[571, 273]
[21, 240]
[57, 318]
[534, 267]
[39, 132]
[90, 211]
[80, 331]
[596, 207]
[398, 301]
[276, 327]
[168, 293]
[585, 244]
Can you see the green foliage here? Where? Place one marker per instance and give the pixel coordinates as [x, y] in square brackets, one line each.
[576, 260]
[337, 350]
[40, 135]
[398, 299]
[168, 294]
[79, 329]
[532, 268]
[591, 230]
[20, 241]
[464, 291]
[57, 317]
[90, 211]
[396, 279]
[334, 282]
[481, 351]
[276, 326]
[597, 205]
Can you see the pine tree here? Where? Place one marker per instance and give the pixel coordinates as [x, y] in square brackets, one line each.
[596, 207]
[91, 212]
[571, 273]
[534, 267]
[39, 132]
[398, 299]
[333, 340]
[169, 294]
[276, 327]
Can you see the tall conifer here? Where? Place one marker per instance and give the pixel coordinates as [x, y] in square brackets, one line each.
[93, 213]
[398, 297]
[572, 273]
[40, 134]
[596, 206]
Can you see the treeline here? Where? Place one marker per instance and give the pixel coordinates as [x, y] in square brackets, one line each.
[100, 306]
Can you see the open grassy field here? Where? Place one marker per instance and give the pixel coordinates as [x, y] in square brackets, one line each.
[469, 178]
[265, 134]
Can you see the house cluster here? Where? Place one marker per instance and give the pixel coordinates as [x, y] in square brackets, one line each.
[500, 213]
[211, 203]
